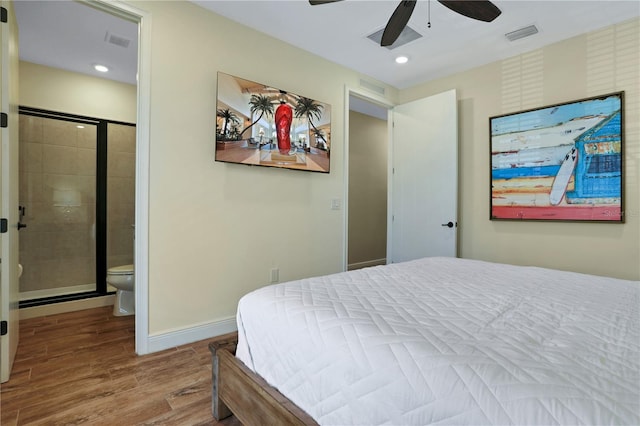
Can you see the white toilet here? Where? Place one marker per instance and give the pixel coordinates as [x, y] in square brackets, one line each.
[123, 279]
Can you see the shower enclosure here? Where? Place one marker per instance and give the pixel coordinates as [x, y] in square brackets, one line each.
[77, 192]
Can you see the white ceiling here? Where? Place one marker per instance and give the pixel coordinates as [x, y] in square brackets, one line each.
[338, 31]
[69, 35]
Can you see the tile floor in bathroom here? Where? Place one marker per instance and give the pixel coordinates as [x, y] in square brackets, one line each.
[80, 368]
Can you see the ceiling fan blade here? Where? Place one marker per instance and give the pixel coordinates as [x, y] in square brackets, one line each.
[482, 10]
[397, 22]
[317, 2]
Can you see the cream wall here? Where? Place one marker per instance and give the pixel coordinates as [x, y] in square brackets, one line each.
[217, 229]
[593, 64]
[64, 91]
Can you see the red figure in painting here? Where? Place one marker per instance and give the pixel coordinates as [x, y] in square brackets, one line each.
[284, 117]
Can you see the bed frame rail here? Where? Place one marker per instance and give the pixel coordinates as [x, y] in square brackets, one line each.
[239, 391]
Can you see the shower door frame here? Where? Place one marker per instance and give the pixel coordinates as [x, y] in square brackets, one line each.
[101, 203]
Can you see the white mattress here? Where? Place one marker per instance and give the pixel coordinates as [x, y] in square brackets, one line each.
[449, 341]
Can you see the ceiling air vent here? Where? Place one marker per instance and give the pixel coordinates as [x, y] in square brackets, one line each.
[522, 33]
[117, 40]
[407, 35]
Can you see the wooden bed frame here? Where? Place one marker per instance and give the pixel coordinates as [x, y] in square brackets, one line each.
[238, 391]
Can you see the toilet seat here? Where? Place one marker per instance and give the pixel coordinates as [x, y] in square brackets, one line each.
[120, 270]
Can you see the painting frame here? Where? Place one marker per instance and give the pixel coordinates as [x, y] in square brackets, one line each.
[559, 163]
[261, 125]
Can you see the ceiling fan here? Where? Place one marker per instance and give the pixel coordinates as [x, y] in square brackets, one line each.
[482, 10]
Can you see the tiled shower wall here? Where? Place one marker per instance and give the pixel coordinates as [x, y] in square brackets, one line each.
[57, 188]
[121, 185]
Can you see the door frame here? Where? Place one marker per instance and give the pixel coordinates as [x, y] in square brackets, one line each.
[385, 103]
[9, 158]
[382, 101]
[141, 255]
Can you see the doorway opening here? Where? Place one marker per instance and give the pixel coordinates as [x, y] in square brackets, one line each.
[422, 176]
[69, 243]
[368, 159]
[10, 283]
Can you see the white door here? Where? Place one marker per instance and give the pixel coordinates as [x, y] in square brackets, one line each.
[9, 191]
[424, 179]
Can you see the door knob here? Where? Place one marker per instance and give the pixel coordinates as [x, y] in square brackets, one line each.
[448, 224]
[21, 225]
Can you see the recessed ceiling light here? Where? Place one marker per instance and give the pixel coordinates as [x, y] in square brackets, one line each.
[100, 68]
[80, 126]
[402, 60]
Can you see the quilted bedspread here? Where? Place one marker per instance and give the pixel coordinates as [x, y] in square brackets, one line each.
[449, 341]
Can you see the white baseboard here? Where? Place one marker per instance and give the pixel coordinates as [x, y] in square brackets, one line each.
[155, 343]
[360, 265]
[64, 307]
[172, 339]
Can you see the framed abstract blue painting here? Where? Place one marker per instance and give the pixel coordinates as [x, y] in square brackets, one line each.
[561, 162]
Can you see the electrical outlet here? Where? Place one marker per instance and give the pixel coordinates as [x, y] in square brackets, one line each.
[336, 204]
[275, 275]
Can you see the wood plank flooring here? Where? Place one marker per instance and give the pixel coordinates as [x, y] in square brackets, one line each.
[81, 368]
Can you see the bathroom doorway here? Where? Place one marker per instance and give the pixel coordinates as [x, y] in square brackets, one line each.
[77, 198]
[72, 110]
[138, 112]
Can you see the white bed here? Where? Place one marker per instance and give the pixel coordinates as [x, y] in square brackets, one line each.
[449, 341]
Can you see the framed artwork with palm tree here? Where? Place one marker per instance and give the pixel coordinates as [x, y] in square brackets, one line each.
[261, 125]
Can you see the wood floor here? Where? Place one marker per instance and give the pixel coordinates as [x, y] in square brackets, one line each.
[81, 368]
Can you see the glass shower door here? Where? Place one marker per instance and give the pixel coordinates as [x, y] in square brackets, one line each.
[58, 194]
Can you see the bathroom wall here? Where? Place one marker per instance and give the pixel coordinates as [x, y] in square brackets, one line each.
[57, 187]
[121, 186]
[73, 93]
